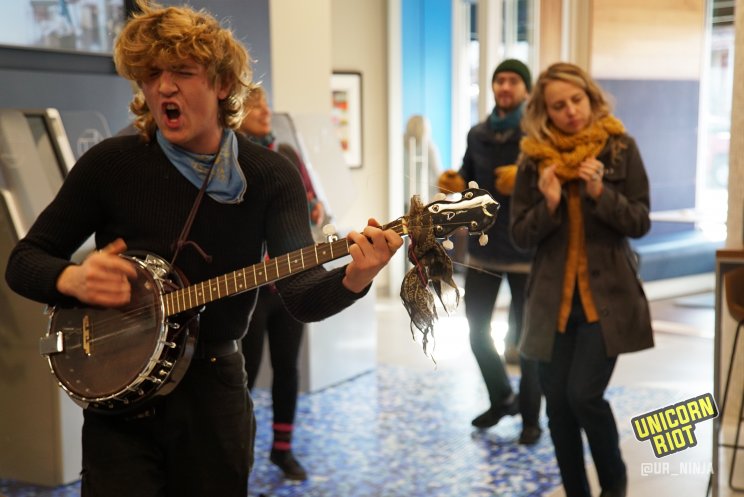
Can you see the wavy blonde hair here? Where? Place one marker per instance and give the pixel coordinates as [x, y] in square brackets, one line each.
[257, 92]
[535, 121]
[171, 35]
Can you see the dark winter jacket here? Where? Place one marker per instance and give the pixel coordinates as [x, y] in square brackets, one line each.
[621, 211]
[487, 150]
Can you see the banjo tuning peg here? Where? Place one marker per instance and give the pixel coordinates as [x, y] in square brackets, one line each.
[447, 244]
[329, 231]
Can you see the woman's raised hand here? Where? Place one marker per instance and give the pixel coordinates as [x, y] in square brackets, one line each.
[550, 187]
[592, 171]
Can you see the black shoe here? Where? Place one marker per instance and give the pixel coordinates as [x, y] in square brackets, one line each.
[495, 413]
[288, 464]
[619, 490]
[530, 435]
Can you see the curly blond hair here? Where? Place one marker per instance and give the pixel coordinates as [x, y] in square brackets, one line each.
[170, 35]
[257, 93]
[535, 121]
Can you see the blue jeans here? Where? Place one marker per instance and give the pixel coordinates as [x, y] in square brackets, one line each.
[574, 383]
[195, 441]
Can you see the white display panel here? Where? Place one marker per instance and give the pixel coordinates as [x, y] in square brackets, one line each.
[40, 427]
[79, 25]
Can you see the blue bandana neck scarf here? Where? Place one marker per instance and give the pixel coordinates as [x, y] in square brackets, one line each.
[266, 141]
[227, 184]
[507, 122]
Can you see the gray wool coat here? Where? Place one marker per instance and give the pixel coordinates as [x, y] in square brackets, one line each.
[620, 212]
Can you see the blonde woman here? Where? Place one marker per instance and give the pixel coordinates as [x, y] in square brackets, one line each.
[581, 190]
[271, 317]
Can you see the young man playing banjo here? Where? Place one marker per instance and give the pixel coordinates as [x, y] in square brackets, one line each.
[136, 193]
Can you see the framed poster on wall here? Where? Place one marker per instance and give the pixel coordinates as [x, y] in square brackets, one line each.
[346, 114]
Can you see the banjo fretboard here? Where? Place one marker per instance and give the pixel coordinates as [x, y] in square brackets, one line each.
[262, 273]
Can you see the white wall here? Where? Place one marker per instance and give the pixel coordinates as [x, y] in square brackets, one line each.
[301, 55]
[359, 44]
[309, 40]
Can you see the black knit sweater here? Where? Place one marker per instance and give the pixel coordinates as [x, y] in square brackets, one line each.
[127, 188]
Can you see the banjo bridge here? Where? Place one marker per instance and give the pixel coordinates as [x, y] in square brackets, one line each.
[86, 335]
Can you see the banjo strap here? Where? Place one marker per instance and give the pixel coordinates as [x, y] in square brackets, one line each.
[187, 227]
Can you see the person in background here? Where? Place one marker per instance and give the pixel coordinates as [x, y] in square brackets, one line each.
[135, 192]
[493, 148]
[271, 316]
[417, 139]
[580, 192]
[257, 127]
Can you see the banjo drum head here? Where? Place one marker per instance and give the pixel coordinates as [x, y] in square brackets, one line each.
[121, 342]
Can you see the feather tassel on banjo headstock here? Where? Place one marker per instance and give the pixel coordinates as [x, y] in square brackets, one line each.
[475, 211]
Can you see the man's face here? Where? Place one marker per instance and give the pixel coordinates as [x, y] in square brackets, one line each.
[185, 106]
[258, 121]
[509, 91]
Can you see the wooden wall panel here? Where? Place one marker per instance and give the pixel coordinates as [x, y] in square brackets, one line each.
[550, 33]
[735, 227]
[647, 39]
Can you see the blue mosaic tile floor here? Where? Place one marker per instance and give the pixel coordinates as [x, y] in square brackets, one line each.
[400, 431]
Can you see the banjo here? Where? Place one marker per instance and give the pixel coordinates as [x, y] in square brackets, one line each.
[111, 360]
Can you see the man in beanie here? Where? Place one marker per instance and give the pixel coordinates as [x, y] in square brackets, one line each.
[493, 147]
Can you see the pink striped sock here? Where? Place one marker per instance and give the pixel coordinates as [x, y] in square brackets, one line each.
[282, 445]
[283, 436]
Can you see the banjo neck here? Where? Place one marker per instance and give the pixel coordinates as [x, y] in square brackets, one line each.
[263, 273]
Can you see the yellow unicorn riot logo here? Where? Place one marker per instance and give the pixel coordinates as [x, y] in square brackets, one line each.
[672, 428]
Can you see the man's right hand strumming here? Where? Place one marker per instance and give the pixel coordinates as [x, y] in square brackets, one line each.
[102, 279]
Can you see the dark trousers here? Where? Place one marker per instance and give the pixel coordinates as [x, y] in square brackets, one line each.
[481, 290]
[285, 337]
[574, 383]
[195, 441]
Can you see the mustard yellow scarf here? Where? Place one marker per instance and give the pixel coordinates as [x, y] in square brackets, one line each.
[568, 151]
